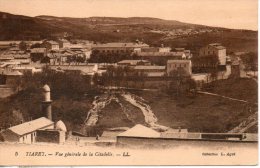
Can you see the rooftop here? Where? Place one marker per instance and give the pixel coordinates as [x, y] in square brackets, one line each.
[132, 61]
[31, 126]
[179, 61]
[6, 57]
[52, 42]
[172, 54]
[38, 50]
[21, 56]
[217, 45]
[84, 69]
[140, 131]
[63, 40]
[120, 45]
[139, 67]
[10, 73]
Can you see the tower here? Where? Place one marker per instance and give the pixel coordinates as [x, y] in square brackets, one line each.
[46, 103]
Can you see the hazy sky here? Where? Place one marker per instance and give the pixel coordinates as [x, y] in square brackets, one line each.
[241, 14]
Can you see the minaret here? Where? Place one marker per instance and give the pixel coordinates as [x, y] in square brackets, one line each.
[46, 103]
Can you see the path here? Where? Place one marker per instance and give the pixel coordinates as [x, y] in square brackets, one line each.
[150, 118]
[249, 122]
[98, 104]
[225, 97]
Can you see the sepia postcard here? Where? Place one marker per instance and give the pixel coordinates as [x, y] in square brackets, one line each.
[128, 82]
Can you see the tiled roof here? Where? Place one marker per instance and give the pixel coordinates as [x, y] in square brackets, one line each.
[31, 126]
[140, 131]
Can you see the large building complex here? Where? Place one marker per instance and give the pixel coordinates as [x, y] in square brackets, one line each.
[119, 47]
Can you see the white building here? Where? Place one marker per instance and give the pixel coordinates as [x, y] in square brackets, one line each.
[26, 132]
[174, 65]
[214, 49]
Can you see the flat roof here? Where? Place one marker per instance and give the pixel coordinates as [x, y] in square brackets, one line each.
[38, 50]
[132, 61]
[217, 45]
[162, 54]
[179, 61]
[138, 67]
[120, 45]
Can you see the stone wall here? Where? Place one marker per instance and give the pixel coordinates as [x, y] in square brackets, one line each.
[141, 142]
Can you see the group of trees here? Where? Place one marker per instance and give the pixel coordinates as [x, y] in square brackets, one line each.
[76, 59]
[70, 84]
[250, 61]
[36, 45]
[23, 46]
[181, 84]
[67, 90]
[204, 64]
[119, 76]
[177, 83]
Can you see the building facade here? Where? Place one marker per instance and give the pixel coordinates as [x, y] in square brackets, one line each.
[63, 43]
[26, 132]
[174, 65]
[214, 49]
[150, 70]
[119, 47]
[161, 58]
[51, 45]
[37, 54]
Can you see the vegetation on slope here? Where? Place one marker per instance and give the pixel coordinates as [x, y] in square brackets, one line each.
[104, 29]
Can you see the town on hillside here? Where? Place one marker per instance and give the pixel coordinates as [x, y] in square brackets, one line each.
[107, 93]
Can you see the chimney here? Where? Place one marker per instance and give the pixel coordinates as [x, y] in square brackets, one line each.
[46, 103]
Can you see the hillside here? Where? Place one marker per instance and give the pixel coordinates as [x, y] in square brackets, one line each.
[203, 113]
[153, 31]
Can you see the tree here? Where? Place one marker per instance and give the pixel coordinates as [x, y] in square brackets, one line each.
[80, 59]
[70, 84]
[36, 45]
[250, 61]
[181, 83]
[213, 74]
[23, 46]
